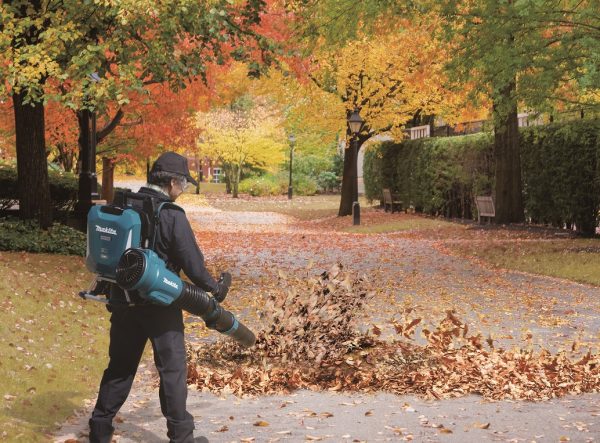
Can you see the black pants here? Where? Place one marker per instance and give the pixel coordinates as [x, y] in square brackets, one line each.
[130, 329]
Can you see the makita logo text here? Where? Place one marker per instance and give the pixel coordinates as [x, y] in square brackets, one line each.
[107, 230]
[170, 283]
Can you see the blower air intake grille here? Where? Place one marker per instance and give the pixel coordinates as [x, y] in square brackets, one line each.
[130, 268]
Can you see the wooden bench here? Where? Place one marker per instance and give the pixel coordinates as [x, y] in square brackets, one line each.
[485, 207]
[391, 200]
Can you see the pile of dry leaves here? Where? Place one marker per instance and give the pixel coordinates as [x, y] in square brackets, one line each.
[312, 342]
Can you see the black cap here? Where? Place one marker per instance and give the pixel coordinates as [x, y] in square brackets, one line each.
[175, 164]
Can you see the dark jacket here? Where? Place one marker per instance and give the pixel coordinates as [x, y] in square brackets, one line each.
[176, 245]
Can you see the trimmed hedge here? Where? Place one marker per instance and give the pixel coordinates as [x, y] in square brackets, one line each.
[561, 174]
[63, 188]
[18, 235]
[441, 176]
[438, 176]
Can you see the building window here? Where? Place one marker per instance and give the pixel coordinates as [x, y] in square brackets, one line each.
[217, 175]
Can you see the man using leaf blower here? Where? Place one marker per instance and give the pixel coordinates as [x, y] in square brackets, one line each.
[135, 320]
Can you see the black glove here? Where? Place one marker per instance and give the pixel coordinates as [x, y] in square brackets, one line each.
[222, 287]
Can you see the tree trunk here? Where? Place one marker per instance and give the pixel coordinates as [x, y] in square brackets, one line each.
[88, 139]
[108, 169]
[65, 157]
[509, 199]
[226, 176]
[348, 177]
[237, 171]
[32, 166]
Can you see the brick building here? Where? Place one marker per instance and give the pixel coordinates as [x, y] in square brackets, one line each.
[205, 169]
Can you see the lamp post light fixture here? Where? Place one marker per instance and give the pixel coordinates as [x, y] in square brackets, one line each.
[355, 124]
[292, 140]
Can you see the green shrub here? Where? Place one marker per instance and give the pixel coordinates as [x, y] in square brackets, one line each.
[17, 235]
[311, 172]
[63, 188]
[328, 181]
[304, 184]
[311, 165]
[264, 185]
[268, 185]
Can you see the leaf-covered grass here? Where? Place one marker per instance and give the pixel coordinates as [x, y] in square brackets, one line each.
[572, 259]
[408, 224]
[53, 343]
[17, 235]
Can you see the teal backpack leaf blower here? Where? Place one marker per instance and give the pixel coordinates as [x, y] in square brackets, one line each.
[120, 239]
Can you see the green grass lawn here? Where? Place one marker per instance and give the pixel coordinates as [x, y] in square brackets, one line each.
[572, 259]
[53, 343]
[209, 188]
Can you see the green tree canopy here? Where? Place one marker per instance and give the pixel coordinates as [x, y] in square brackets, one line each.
[61, 49]
[553, 48]
[87, 53]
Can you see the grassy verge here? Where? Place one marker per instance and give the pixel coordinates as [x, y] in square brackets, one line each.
[209, 188]
[53, 344]
[572, 259]
[407, 224]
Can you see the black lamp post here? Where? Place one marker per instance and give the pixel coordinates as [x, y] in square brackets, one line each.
[88, 184]
[292, 140]
[93, 144]
[355, 123]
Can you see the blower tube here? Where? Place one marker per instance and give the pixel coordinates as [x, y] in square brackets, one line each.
[143, 270]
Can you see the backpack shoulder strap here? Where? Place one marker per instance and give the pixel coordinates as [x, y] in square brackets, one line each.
[159, 205]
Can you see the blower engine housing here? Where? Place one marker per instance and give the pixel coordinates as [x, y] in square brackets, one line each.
[110, 231]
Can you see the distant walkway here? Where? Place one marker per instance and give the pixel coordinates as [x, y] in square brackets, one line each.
[209, 218]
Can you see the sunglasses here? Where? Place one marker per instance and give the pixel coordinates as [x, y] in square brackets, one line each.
[183, 183]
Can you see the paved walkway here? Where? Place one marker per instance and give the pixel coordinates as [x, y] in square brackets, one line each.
[507, 305]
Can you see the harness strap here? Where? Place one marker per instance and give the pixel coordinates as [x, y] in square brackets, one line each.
[157, 221]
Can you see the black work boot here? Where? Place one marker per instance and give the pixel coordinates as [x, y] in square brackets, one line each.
[101, 431]
[181, 431]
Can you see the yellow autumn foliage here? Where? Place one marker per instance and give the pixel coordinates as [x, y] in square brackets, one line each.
[246, 137]
[393, 77]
